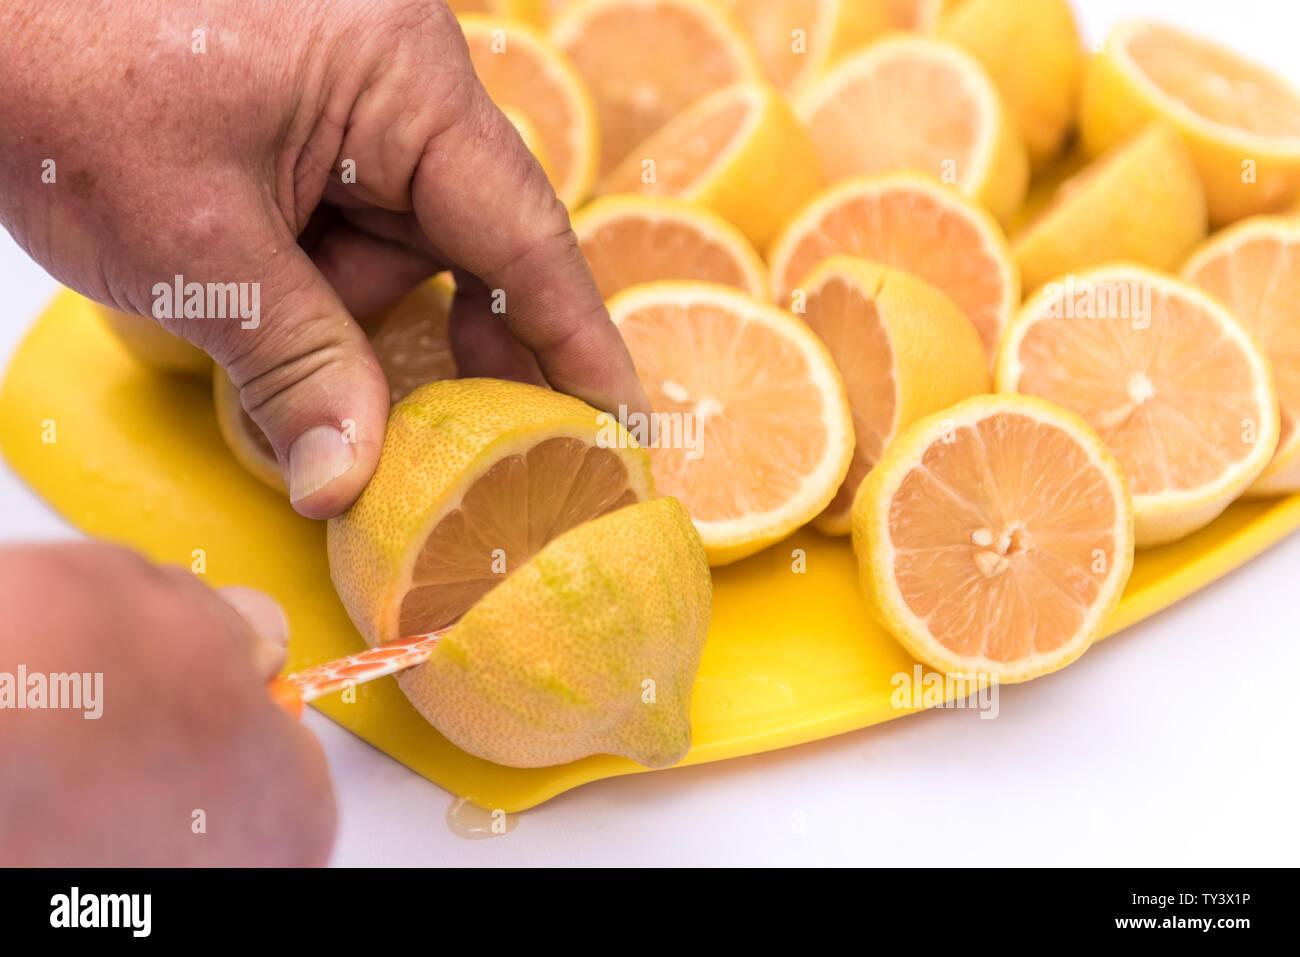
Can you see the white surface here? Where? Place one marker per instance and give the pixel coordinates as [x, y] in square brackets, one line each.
[1174, 743]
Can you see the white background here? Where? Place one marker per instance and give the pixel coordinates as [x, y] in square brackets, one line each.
[1174, 743]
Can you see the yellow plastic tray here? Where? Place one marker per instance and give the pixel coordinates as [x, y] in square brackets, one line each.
[790, 658]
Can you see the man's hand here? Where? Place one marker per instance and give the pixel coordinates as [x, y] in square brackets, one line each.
[209, 141]
[189, 762]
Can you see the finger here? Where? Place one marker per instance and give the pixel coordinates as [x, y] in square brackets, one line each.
[266, 621]
[367, 272]
[309, 379]
[495, 214]
[481, 341]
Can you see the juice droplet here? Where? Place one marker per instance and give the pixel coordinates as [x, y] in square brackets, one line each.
[475, 823]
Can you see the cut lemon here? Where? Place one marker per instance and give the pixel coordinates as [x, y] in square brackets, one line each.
[796, 40]
[530, 79]
[740, 151]
[994, 538]
[908, 102]
[522, 519]
[1032, 51]
[1172, 382]
[1254, 267]
[754, 431]
[411, 341]
[1240, 121]
[634, 239]
[1142, 202]
[1045, 184]
[647, 60]
[913, 222]
[476, 475]
[905, 350]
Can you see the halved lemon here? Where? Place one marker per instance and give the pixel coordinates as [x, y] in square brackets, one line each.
[1141, 202]
[1174, 384]
[629, 239]
[916, 223]
[994, 538]
[1241, 122]
[905, 350]
[529, 78]
[411, 341]
[740, 152]
[1032, 51]
[909, 102]
[647, 60]
[754, 431]
[1254, 267]
[796, 40]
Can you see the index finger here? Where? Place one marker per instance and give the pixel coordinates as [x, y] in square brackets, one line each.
[485, 203]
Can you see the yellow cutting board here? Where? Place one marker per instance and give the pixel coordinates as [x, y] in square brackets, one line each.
[792, 655]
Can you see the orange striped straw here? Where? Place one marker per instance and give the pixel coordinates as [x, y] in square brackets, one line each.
[294, 690]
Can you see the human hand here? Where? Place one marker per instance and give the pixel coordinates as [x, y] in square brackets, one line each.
[189, 761]
[224, 165]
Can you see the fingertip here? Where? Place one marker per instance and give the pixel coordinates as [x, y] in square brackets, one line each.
[267, 622]
[322, 472]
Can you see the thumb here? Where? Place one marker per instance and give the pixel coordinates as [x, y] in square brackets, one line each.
[307, 376]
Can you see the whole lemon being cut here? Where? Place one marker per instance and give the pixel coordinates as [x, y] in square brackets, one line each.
[475, 476]
[569, 638]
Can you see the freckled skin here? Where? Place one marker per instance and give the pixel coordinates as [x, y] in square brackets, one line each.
[219, 156]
